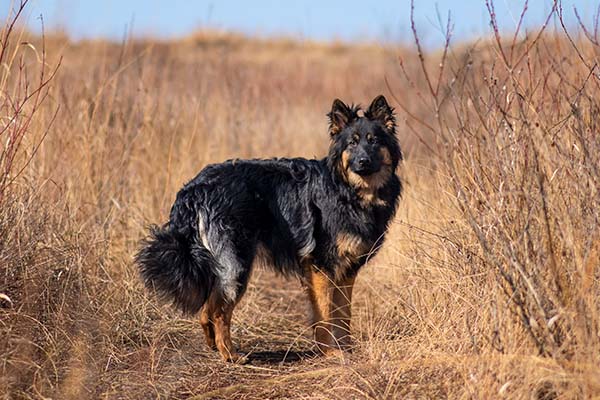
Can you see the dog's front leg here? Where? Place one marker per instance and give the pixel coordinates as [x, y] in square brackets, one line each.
[320, 291]
[342, 312]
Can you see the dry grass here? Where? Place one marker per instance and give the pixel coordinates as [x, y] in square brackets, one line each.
[487, 287]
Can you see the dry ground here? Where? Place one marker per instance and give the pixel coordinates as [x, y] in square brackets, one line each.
[444, 311]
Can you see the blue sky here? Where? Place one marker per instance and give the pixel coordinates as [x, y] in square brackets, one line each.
[349, 20]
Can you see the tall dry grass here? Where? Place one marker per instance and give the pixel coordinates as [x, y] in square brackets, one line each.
[487, 286]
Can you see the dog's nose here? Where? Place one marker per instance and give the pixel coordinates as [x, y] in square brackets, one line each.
[364, 162]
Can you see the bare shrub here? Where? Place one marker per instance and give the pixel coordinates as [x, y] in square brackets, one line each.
[21, 96]
[517, 127]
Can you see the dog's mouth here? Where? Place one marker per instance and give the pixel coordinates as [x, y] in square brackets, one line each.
[365, 171]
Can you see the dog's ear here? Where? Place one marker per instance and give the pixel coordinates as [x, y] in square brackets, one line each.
[340, 116]
[380, 110]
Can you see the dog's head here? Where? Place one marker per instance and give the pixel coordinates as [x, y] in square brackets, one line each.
[364, 149]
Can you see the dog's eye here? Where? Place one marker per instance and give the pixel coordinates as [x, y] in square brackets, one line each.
[353, 142]
[372, 139]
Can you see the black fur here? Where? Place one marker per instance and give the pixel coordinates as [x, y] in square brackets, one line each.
[293, 209]
[179, 269]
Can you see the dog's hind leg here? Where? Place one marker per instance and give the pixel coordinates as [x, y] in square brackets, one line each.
[208, 327]
[234, 249]
[233, 279]
[220, 312]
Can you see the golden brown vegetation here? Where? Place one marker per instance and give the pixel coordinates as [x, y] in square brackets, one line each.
[487, 287]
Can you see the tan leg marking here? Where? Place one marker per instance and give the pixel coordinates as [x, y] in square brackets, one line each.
[207, 327]
[219, 313]
[342, 312]
[320, 290]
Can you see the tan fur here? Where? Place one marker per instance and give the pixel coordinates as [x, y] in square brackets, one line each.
[342, 312]
[215, 319]
[320, 292]
[367, 186]
[350, 247]
[331, 305]
[390, 124]
[207, 327]
[334, 130]
[386, 157]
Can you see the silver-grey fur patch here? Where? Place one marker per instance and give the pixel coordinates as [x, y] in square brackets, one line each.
[202, 231]
[307, 248]
[229, 267]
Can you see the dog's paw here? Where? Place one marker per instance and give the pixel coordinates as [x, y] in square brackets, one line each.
[334, 352]
[236, 358]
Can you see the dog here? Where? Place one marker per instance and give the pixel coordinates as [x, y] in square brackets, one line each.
[318, 220]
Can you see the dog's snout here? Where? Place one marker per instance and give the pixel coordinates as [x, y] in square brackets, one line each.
[364, 162]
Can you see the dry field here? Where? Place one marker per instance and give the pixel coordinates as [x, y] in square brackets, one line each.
[487, 287]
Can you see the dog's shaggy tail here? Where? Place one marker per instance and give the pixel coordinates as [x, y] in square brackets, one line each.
[177, 267]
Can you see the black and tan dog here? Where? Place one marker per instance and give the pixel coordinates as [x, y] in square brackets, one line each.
[316, 219]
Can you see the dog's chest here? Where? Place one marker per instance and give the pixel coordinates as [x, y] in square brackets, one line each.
[351, 247]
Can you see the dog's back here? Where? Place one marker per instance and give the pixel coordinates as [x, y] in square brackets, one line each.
[252, 203]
